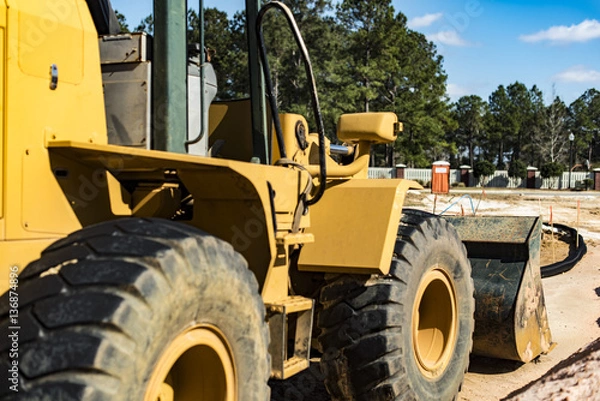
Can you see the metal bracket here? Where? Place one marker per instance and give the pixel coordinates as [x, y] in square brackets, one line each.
[398, 128]
[293, 311]
[53, 77]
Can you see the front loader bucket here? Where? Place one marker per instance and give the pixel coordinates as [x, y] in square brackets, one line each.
[510, 312]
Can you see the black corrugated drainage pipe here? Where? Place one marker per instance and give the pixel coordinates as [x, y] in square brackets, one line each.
[576, 252]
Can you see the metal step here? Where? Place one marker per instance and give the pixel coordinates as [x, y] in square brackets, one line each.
[290, 354]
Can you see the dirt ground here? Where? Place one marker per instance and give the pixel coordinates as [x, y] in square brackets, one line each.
[572, 301]
[575, 378]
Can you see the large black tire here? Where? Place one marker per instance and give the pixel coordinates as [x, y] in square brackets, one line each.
[375, 347]
[100, 307]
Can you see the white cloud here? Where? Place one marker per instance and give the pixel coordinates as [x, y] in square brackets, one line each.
[424, 21]
[456, 91]
[587, 30]
[449, 38]
[578, 74]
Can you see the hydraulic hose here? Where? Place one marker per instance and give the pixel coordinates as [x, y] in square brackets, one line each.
[271, 92]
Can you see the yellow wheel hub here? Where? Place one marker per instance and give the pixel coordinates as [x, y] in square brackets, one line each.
[197, 365]
[434, 323]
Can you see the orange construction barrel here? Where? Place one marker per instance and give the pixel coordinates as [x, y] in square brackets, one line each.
[440, 178]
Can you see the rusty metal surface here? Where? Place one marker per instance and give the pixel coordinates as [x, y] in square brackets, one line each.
[510, 311]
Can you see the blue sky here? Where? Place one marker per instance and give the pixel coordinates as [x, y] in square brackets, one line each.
[550, 43]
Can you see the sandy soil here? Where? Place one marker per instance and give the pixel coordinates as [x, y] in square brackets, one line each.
[572, 299]
[554, 248]
[575, 378]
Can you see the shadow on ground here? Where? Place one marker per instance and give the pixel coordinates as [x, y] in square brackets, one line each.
[492, 366]
[308, 385]
[305, 386]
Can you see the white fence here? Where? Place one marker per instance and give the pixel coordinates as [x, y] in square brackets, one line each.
[382, 172]
[499, 180]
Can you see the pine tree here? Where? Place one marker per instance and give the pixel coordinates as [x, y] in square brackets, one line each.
[584, 123]
[469, 112]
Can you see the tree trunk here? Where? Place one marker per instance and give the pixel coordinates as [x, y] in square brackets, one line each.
[471, 156]
[367, 86]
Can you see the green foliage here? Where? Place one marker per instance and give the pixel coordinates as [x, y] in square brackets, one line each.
[324, 40]
[146, 25]
[515, 115]
[552, 169]
[584, 122]
[483, 168]
[418, 93]
[368, 54]
[122, 22]
[469, 112]
[193, 24]
[225, 41]
[517, 169]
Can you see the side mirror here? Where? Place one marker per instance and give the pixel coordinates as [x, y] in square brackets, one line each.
[370, 127]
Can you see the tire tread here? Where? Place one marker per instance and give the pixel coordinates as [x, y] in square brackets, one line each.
[362, 357]
[88, 300]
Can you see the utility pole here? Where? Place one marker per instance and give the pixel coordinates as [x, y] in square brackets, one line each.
[571, 139]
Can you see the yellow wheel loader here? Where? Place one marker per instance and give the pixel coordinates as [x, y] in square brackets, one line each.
[157, 245]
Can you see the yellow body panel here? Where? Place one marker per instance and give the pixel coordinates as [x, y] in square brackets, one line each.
[34, 35]
[230, 124]
[244, 204]
[294, 152]
[43, 24]
[2, 110]
[372, 127]
[42, 33]
[355, 227]
[19, 254]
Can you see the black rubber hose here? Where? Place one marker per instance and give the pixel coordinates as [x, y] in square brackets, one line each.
[575, 254]
[268, 82]
[271, 93]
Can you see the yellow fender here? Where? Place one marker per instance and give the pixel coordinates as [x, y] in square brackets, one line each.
[355, 226]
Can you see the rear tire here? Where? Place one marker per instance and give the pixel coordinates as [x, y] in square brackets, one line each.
[406, 335]
[131, 309]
